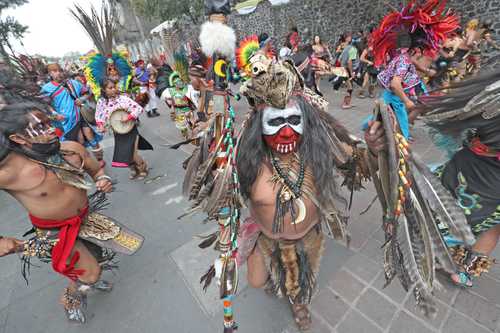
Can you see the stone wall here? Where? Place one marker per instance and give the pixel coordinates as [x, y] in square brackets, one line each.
[330, 18]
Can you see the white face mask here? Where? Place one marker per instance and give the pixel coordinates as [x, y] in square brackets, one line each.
[275, 119]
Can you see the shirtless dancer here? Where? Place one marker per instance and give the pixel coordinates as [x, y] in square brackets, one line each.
[471, 61]
[47, 178]
[292, 150]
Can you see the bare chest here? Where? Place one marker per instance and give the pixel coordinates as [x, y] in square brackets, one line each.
[40, 191]
[264, 201]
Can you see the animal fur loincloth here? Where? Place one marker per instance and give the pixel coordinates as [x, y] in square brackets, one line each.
[293, 265]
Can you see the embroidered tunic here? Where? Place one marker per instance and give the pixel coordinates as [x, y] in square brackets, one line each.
[106, 106]
[400, 66]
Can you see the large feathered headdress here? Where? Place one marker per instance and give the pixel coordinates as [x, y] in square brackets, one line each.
[427, 24]
[100, 28]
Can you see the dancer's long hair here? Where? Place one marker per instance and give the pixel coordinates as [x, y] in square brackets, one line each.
[314, 148]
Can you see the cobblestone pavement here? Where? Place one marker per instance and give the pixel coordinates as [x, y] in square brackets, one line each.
[157, 290]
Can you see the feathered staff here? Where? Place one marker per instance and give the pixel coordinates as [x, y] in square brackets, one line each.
[414, 202]
[212, 179]
[428, 24]
[105, 62]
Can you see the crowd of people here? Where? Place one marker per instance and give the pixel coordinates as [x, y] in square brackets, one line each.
[283, 163]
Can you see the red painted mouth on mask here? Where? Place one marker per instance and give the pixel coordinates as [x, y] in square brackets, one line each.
[285, 141]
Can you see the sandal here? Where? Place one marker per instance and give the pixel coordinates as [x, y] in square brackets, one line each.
[103, 286]
[464, 280]
[142, 171]
[134, 173]
[302, 316]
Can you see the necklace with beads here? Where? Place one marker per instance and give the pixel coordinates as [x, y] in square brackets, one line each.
[289, 194]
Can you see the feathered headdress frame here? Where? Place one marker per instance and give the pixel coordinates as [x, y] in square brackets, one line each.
[100, 27]
[17, 93]
[174, 76]
[181, 65]
[18, 97]
[428, 24]
[96, 69]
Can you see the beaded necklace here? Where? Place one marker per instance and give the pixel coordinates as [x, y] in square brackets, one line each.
[288, 193]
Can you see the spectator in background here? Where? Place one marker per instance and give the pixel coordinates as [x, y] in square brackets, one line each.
[286, 50]
[349, 59]
[141, 79]
[265, 43]
[294, 39]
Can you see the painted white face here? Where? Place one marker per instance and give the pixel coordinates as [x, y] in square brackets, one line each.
[273, 120]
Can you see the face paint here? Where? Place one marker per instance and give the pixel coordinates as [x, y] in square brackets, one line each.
[179, 84]
[48, 148]
[282, 129]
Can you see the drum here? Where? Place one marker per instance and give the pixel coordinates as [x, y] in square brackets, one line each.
[339, 71]
[88, 112]
[116, 123]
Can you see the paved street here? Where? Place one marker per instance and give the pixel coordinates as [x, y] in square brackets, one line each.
[157, 290]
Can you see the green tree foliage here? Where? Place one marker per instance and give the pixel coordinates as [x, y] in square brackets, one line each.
[170, 9]
[10, 28]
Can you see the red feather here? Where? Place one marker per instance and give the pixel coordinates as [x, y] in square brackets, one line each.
[429, 17]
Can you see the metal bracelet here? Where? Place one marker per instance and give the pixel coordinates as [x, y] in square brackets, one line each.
[103, 177]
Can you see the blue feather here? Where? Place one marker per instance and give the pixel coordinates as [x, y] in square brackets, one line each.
[122, 65]
[97, 65]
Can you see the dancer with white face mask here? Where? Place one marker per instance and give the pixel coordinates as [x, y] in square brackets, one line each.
[289, 154]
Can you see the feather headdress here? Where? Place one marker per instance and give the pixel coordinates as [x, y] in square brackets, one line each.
[181, 65]
[248, 47]
[171, 44]
[100, 29]
[427, 24]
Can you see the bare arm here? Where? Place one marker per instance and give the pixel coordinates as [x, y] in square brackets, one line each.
[423, 66]
[349, 66]
[364, 59]
[9, 245]
[397, 89]
[471, 38]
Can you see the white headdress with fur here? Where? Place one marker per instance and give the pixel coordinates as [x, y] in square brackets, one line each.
[216, 37]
